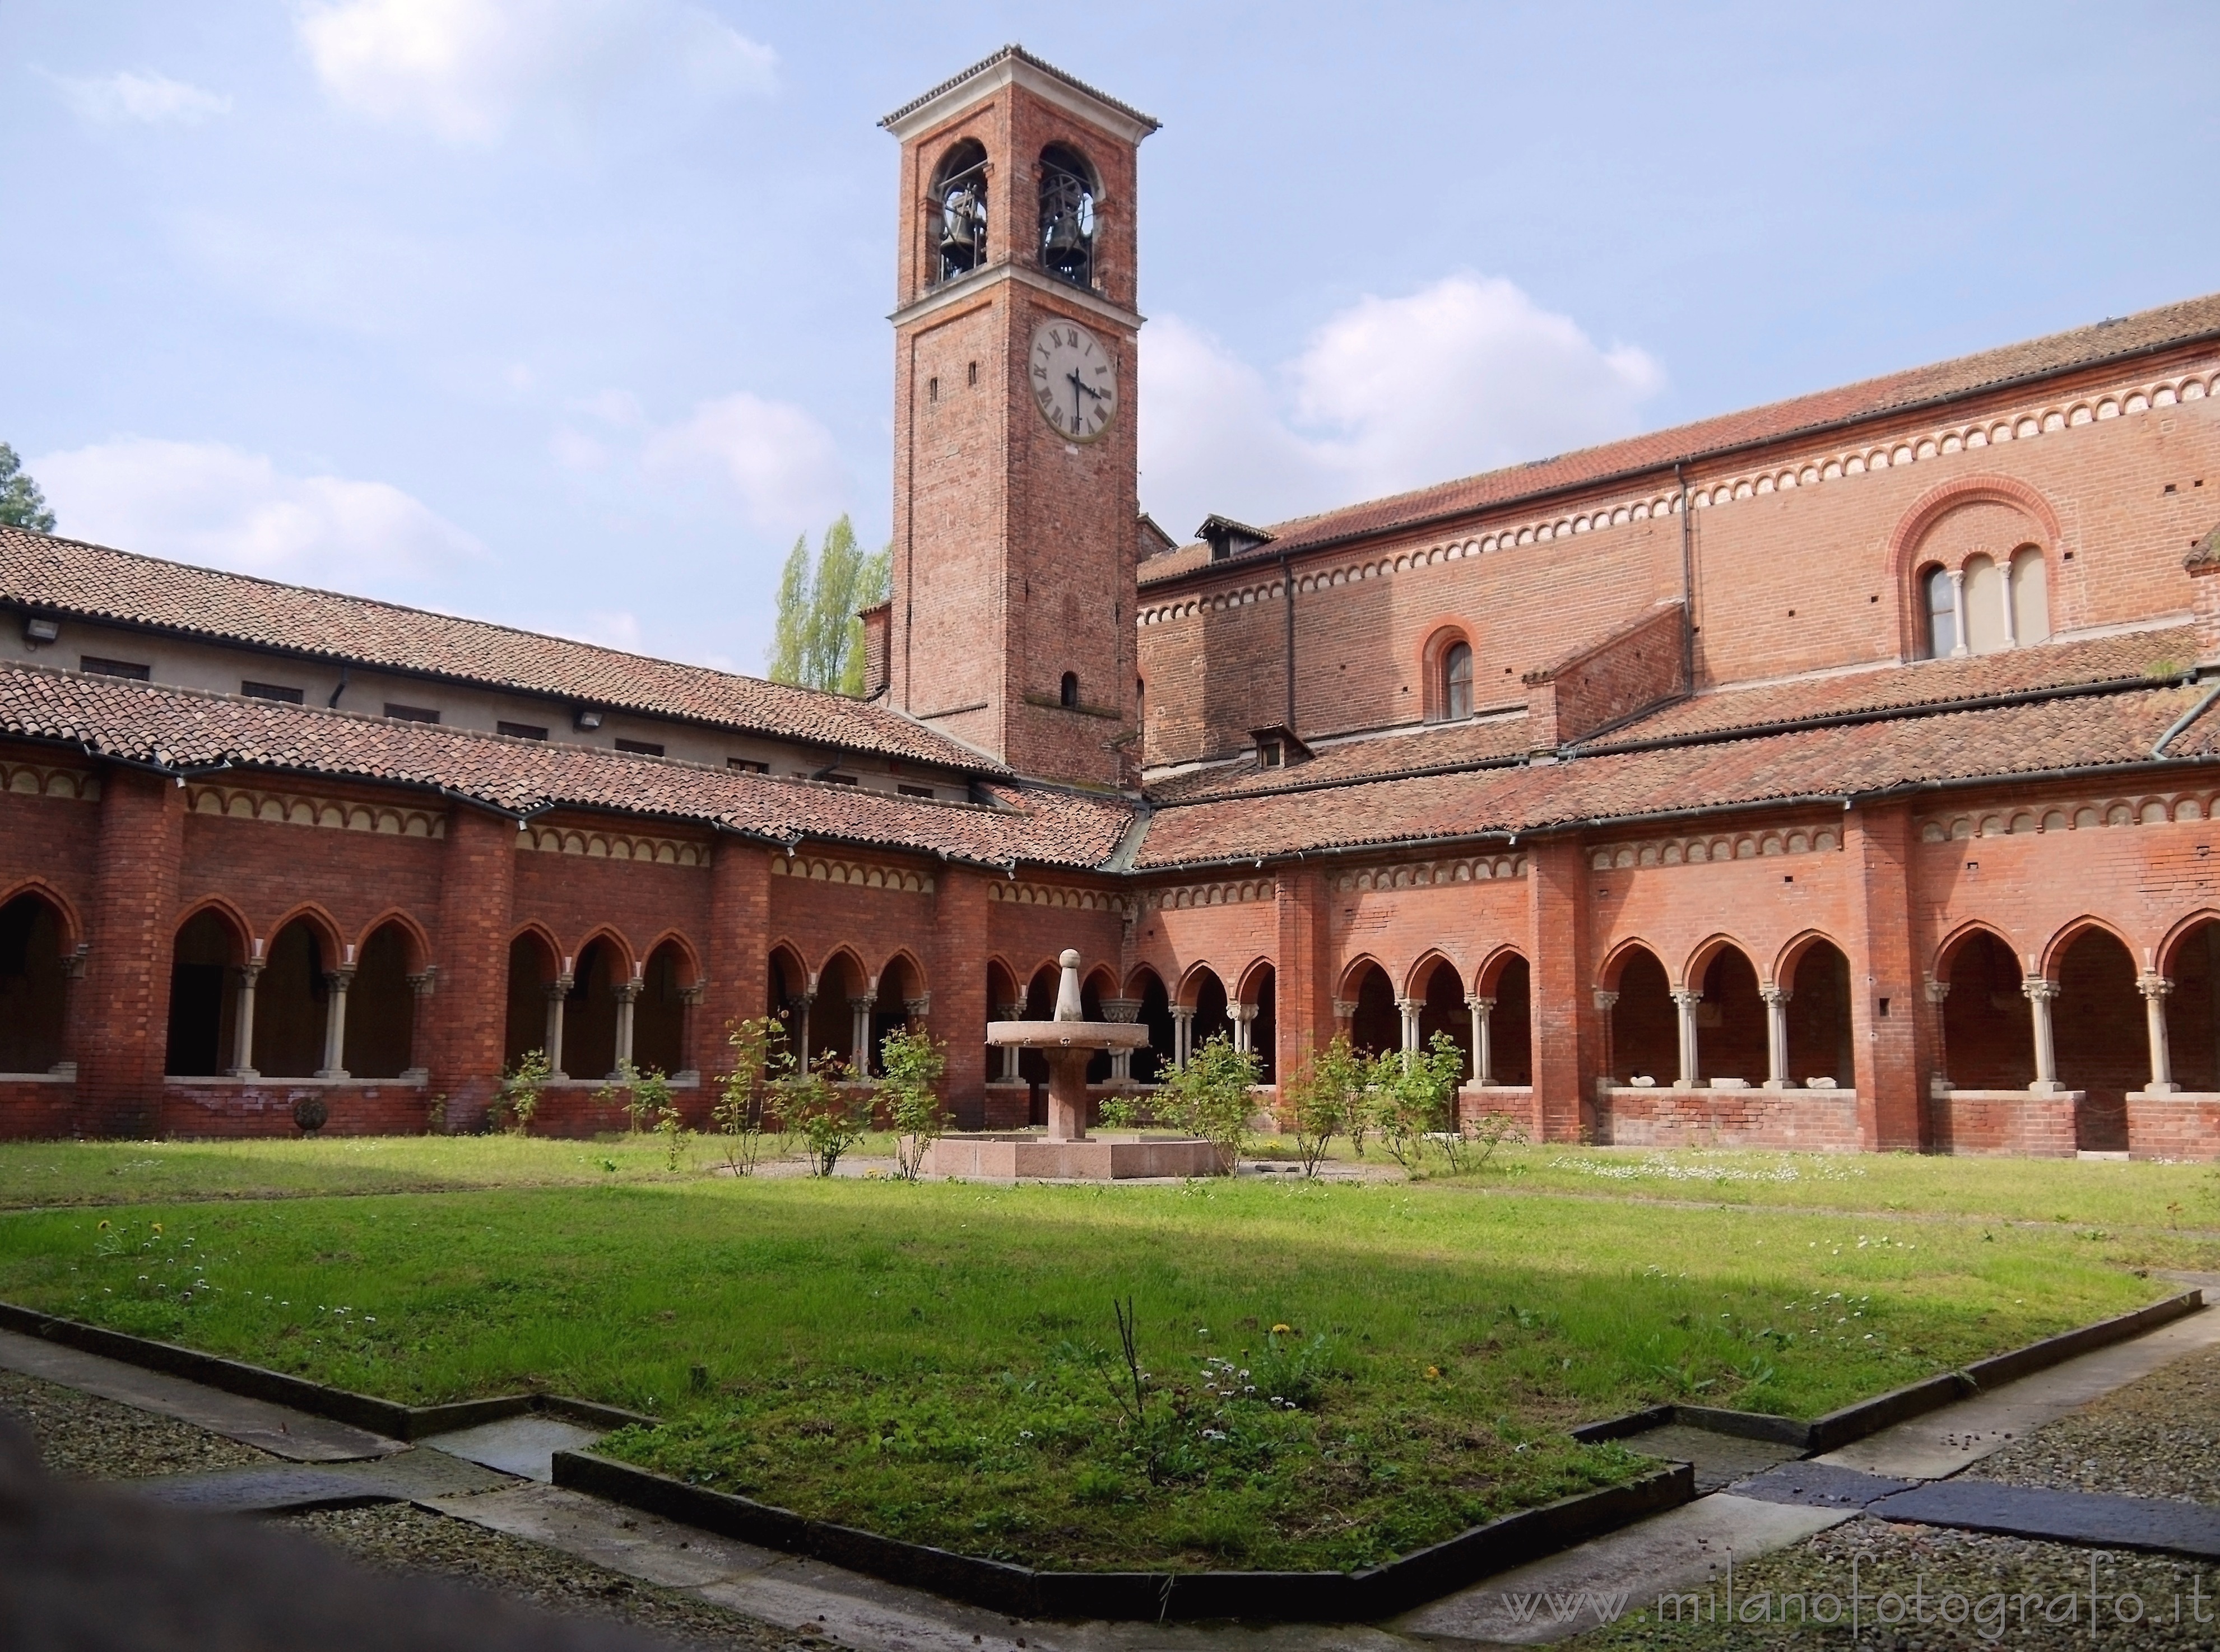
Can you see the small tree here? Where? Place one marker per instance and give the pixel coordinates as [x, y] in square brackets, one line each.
[22, 504]
[520, 1088]
[817, 640]
[1322, 1098]
[827, 1119]
[760, 1057]
[1411, 1095]
[1210, 1097]
[914, 1066]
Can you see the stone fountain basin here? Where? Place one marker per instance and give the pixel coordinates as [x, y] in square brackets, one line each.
[1030, 1156]
[1068, 1035]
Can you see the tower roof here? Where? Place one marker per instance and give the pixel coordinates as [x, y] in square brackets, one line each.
[1011, 61]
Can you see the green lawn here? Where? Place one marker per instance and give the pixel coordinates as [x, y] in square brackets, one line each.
[935, 1361]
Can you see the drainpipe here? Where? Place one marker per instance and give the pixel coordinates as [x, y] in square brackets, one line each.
[1687, 582]
[331, 704]
[1287, 595]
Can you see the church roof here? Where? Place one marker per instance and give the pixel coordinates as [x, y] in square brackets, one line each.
[69, 578]
[1014, 52]
[2190, 321]
[186, 731]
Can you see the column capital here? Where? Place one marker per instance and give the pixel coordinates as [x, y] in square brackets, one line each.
[2153, 986]
[801, 1001]
[1182, 1012]
[560, 987]
[1241, 1012]
[424, 980]
[1686, 999]
[1483, 1005]
[1410, 1006]
[1775, 995]
[250, 969]
[1343, 1010]
[340, 979]
[1604, 1000]
[863, 1001]
[1938, 990]
[628, 992]
[692, 996]
[1012, 1012]
[73, 965]
[2040, 989]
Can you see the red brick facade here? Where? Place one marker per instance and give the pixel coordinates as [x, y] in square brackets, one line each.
[1714, 821]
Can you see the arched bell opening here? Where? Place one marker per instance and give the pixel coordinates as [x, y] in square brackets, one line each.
[33, 984]
[1645, 1033]
[1068, 196]
[291, 999]
[2097, 1028]
[381, 1017]
[957, 222]
[206, 962]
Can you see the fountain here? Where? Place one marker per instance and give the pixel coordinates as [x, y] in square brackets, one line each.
[1066, 1151]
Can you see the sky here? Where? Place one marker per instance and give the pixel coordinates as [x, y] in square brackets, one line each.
[571, 313]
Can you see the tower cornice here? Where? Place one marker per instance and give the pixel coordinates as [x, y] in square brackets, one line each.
[973, 283]
[1014, 64]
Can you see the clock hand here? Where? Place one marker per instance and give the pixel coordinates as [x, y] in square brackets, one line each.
[1076, 386]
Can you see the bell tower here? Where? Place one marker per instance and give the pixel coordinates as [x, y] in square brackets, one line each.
[1011, 627]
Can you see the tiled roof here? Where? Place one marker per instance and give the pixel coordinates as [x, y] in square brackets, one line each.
[2077, 731]
[69, 578]
[1020, 52]
[1431, 745]
[2086, 346]
[181, 730]
[2137, 657]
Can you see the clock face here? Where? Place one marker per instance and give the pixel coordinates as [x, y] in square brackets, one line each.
[1074, 380]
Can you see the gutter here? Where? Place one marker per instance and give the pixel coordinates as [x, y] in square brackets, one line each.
[2187, 718]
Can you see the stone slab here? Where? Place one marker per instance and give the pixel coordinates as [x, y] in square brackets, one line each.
[264, 1490]
[524, 1446]
[1720, 1459]
[1820, 1486]
[1940, 1443]
[1097, 1158]
[1559, 1597]
[276, 1429]
[2037, 1511]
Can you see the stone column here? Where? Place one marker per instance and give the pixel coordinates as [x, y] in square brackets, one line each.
[1776, 1036]
[2155, 989]
[1011, 1053]
[1604, 1003]
[420, 984]
[1938, 1084]
[1410, 1008]
[1182, 1035]
[1686, 1003]
[557, 990]
[860, 1007]
[690, 1018]
[242, 1030]
[1245, 1025]
[72, 973]
[628, 994]
[797, 1015]
[338, 981]
[1483, 1046]
[2040, 993]
[1126, 1012]
[1958, 649]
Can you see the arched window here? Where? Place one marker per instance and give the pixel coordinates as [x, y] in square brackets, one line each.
[1988, 606]
[1067, 215]
[1941, 600]
[2031, 596]
[1067, 693]
[1456, 681]
[958, 222]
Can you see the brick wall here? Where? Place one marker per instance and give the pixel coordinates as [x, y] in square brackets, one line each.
[1803, 1121]
[1642, 665]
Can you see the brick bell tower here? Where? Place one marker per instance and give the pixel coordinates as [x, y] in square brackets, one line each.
[1011, 627]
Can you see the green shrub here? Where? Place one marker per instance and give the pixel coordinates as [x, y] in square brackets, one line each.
[760, 1057]
[914, 1065]
[1322, 1098]
[827, 1119]
[518, 1097]
[1212, 1097]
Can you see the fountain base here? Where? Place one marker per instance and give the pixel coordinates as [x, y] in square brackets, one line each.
[1030, 1156]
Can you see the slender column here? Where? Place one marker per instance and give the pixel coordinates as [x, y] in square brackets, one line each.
[2154, 989]
[1483, 1044]
[1410, 1008]
[859, 1030]
[797, 1011]
[1958, 649]
[72, 973]
[557, 990]
[1776, 1036]
[1182, 1035]
[690, 1018]
[2005, 594]
[1245, 1025]
[1605, 1003]
[1939, 1085]
[338, 981]
[420, 984]
[1011, 1053]
[1126, 1012]
[1686, 1003]
[627, 995]
[242, 1031]
[2040, 993]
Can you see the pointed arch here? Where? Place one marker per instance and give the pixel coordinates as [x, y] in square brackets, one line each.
[1352, 975]
[326, 928]
[1705, 953]
[1199, 978]
[1489, 976]
[1137, 981]
[1791, 954]
[420, 943]
[34, 972]
[624, 961]
[1419, 976]
[662, 1022]
[222, 911]
[380, 1037]
[535, 962]
[1622, 953]
[1947, 949]
[689, 961]
[2072, 931]
[1259, 970]
[2170, 950]
[208, 950]
[901, 960]
[71, 926]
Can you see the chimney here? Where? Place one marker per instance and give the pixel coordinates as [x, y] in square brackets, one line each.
[2203, 564]
[876, 622]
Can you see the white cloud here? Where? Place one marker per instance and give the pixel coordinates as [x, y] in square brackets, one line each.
[1391, 394]
[465, 69]
[207, 503]
[138, 94]
[784, 463]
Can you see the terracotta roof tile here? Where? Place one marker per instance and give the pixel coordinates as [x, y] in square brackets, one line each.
[69, 578]
[1427, 746]
[2079, 732]
[179, 729]
[2086, 346]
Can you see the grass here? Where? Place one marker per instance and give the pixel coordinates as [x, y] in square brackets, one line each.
[938, 1361]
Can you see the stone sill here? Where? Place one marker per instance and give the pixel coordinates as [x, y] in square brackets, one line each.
[1800, 1091]
[678, 1082]
[2200, 1097]
[227, 1081]
[69, 1077]
[2031, 1093]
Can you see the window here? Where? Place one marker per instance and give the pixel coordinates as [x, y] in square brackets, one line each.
[1985, 621]
[1456, 680]
[959, 220]
[1067, 215]
[914, 791]
[837, 780]
[640, 748]
[932, 390]
[1941, 602]
[411, 714]
[973, 370]
[93, 665]
[521, 731]
[270, 691]
[2031, 596]
[1270, 754]
[1067, 693]
[747, 765]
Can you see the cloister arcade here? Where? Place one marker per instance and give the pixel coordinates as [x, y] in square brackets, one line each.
[1723, 1026]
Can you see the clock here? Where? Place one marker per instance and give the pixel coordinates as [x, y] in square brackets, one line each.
[1074, 380]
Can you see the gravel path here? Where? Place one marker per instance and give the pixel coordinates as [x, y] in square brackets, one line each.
[401, 1538]
[82, 1437]
[2157, 1437]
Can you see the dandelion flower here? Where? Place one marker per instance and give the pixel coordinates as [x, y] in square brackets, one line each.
[1277, 1330]
[103, 1226]
[1432, 1371]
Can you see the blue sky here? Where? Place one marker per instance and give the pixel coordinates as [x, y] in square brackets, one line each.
[570, 312]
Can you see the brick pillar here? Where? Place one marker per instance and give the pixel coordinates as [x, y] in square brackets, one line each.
[1889, 1050]
[1567, 1034]
[739, 967]
[470, 1011]
[123, 1004]
[959, 962]
[1303, 966]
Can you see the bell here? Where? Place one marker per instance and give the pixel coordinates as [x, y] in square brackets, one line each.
[1064, 235]
[960, 222]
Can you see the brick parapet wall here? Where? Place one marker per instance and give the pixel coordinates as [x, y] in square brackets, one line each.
[2182, 1126]
[2005, 1123]
[1642, 665]
[37, 1109]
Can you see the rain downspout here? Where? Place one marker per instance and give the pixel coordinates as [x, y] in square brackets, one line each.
[1687, 583]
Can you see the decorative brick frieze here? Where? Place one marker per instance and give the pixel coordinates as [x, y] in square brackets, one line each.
[1432, 874]
[821, 869]
[1230, 892]
[1698, 849]
[2144, 809]
[333, 814]
[1020, 892]
[598, 844]
[49, 780]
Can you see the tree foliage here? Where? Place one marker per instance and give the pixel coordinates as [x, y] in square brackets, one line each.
[1212, 1096]
[22, 504]
[915, 1065]
[817, 642]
